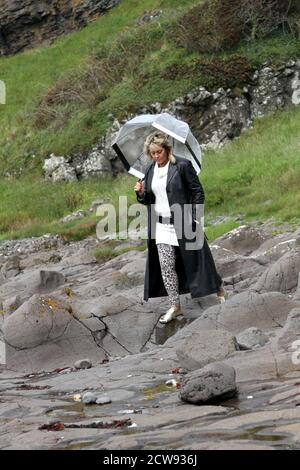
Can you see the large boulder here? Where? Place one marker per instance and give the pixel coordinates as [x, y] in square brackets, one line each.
[215, 381]
[243, 240]
[58, 169]
[265, 311]
[282, 276]
[43, 333]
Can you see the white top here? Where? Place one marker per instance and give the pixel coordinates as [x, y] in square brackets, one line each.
[164, 233]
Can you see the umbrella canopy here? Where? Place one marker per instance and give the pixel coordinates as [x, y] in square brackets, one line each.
[129, 142]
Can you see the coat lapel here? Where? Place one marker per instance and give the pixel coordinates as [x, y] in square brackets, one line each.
[171, 172]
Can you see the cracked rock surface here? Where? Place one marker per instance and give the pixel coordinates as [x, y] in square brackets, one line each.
[59, 306]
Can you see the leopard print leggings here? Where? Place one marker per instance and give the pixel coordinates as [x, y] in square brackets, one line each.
[166, 255]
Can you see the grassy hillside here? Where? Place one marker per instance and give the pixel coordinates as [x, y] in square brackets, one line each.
[255, 176]
[59, 99]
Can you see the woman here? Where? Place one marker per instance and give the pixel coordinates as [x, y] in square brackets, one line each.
[171, 268]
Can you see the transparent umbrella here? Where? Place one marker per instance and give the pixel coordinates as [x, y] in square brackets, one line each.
[129, 142]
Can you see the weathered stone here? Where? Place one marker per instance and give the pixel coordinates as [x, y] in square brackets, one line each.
[50, 280]
[57, 169]
[204, 347]
[246, 309]
[10, 267]
[215, 381]
[282, 276]
[43, 334]
[289, 336]
[74, 216]
[83, 364]
[27, 24]
[11, 304]
[103, 400]
[243, 240]
[250, 338]
[89, 398]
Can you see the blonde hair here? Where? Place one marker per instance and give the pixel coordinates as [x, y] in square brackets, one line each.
[161, 139]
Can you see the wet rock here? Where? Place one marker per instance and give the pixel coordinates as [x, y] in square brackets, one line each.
[204, 347]
[89, 398]
[215, 381]
[103, 400]
[250, 338]
[83, 364]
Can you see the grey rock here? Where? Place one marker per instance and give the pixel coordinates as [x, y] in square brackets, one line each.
[80, 214]
[42, 334]
[250, 338]
[290, 333]
[50, 280]
[281, 276]
[95, 204]
[103, 400]
[242, 240]
[297, 293]
[10, 267]
[11, 304]
[96, 164]
[204, 347]
[31, 245]
[27, 24]
[215, 381]
[57, 169]
[83, 364]
[89, 398]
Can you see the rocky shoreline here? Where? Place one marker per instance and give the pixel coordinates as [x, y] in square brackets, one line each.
[223, 376]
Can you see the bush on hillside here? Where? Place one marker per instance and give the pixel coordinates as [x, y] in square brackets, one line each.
[215, 72]
[219, 25]
[208, 27]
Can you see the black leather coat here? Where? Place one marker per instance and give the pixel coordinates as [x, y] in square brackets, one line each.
[195, 268]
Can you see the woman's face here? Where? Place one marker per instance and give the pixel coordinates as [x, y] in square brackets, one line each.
[158, 154]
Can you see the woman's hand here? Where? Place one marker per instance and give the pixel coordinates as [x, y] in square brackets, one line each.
[140, 187]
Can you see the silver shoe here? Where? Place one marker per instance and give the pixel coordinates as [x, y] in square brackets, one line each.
[172, 313]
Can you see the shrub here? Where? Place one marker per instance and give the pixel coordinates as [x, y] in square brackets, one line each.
[208, 27]
[218, 25]
[226, 73]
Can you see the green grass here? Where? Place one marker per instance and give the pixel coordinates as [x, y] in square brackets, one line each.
[32, 127]
[257, 175]
[29, 76]
[105, 253]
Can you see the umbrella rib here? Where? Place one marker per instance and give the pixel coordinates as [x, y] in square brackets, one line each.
[193, 154]
[121, 156]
